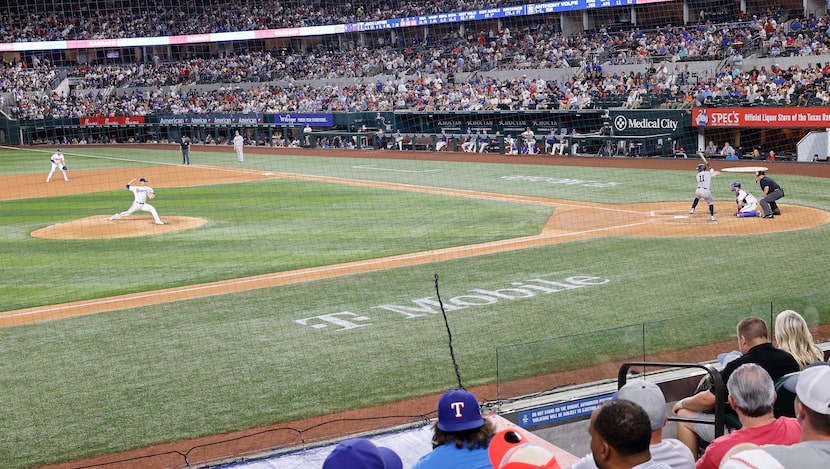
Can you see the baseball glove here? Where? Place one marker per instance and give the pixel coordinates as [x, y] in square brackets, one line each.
[64, 168]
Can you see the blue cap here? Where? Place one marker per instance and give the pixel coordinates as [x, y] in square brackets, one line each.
[143, 180]
[361, 453]
[458, 410]
[736, 184]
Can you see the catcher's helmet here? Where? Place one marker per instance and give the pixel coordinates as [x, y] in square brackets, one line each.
[701, 167]
[736, 185]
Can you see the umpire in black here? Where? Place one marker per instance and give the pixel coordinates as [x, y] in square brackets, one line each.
[772, 192]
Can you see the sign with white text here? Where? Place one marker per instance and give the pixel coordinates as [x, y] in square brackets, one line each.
[762, 117]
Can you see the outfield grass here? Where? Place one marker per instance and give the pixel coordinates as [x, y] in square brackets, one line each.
[102, 383]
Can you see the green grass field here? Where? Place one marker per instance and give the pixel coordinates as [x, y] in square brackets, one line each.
[102, 383]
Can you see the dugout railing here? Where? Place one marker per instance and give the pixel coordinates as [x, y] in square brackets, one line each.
[714, 375]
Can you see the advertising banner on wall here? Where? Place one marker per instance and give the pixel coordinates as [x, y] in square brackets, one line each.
[212, 119]
[114, 120]
[779, 117]
[649, 122]
[312, 120]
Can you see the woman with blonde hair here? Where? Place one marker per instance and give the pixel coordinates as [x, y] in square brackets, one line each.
[792, 335]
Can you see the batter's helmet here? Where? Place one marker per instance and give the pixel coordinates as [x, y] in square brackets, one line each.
[701, 167]
[735, 185]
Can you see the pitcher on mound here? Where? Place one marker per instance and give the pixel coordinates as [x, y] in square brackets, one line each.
[141, 193]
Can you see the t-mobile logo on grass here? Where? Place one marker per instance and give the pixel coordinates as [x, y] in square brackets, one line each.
[346, 320]
[563, 181]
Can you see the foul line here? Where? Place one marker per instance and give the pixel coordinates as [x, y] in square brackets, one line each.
[304, 275]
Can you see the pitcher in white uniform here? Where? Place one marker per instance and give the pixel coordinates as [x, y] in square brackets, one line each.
[141, 193]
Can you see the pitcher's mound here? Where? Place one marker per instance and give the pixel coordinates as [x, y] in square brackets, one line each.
[101, 227]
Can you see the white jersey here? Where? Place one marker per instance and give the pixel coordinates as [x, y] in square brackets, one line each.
[238, 141]
[744, 198]
[141, 193]
[57, 158]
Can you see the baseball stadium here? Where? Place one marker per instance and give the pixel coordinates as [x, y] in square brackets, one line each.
[353, 260]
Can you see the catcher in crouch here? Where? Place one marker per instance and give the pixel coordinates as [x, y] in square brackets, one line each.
[142, 194]
[747, 203]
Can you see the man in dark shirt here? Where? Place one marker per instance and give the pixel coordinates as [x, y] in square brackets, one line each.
[754, 344]
[772, 192]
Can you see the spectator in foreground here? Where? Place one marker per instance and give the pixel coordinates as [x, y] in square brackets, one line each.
[812, 408]
[360, 453]
[792, 334]
[751, 395]
[668, 451]
[620, 435]
[460, 436]
[755, 347]
[509, 449]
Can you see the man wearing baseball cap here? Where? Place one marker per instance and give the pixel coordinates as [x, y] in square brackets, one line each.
[812, 409]
[668, 451]
[460, 435]
[620, 433]
[772, 192]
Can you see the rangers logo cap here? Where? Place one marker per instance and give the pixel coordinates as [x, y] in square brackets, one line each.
[143, 180]
[458, 410]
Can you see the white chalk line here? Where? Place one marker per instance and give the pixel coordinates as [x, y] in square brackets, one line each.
[329, 271]
[374, 167]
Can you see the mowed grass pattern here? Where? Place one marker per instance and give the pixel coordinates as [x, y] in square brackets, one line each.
[90, 385]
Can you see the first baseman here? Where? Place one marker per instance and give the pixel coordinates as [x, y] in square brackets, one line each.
[772, 192]
[704, 182]
[58, 162]
[142, 193]
[239, 147]
[746, 202]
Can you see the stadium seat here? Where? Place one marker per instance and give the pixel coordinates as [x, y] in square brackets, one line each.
[785, 398]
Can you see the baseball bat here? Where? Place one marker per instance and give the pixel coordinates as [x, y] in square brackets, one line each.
[703, 157]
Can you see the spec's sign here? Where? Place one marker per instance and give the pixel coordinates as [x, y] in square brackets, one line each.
[761, 117]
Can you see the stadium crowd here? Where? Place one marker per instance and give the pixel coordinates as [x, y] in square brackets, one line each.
[60, 21]
[421, 76]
